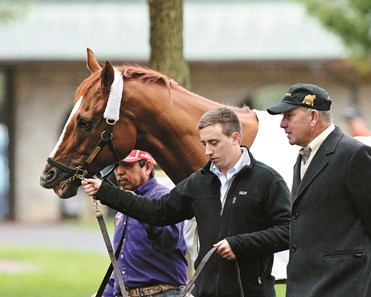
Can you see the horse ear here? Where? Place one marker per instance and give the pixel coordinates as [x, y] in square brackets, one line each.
[91, 61]
[107, 76]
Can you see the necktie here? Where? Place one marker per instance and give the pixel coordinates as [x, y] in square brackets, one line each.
[296, 176]
[305, 151]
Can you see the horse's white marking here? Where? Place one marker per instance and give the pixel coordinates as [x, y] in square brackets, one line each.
[112, 111]
[74, 110]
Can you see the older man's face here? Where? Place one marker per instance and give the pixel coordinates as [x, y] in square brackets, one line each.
[297, 125]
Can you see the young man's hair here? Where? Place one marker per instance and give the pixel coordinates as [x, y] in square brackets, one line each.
[223, 116]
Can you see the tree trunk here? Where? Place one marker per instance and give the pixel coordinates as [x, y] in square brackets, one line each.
[166, 40]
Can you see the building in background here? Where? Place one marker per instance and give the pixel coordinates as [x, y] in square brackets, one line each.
[238, 52]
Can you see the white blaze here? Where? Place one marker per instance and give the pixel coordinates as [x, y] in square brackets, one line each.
[74, 110]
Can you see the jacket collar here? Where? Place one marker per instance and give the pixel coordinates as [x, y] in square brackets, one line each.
[207, 166]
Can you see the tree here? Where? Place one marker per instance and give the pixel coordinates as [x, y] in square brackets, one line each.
[11, 10]
[351, 21]
[166, 40]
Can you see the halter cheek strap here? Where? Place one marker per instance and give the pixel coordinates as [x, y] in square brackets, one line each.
[105, 138]
[80, 172]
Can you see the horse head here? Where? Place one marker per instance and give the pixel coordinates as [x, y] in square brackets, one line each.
[88, 142]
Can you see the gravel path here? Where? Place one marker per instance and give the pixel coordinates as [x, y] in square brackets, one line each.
[52, 235]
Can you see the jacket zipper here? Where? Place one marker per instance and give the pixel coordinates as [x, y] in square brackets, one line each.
[221, 214]
[260, 281]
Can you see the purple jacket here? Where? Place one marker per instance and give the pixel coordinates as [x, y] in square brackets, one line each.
[150, 255]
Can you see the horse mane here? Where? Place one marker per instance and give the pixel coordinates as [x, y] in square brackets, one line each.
[148, 74]
[129, 71]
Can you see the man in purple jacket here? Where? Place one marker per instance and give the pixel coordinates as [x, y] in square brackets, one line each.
[152, 258]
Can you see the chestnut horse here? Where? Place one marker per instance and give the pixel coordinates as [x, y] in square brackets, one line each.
[117, 109]
[152, 113]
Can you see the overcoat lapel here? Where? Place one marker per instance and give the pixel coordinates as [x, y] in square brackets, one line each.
[318, 163]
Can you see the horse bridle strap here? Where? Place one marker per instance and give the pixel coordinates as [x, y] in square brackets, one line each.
[113, 256]
[80, 172]
[105, 138]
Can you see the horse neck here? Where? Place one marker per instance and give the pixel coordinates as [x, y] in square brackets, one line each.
[167, 127]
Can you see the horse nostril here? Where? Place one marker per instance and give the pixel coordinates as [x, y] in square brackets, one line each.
[50, 175]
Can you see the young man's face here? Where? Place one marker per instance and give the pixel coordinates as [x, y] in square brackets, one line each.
[130, 176]
[219, 148]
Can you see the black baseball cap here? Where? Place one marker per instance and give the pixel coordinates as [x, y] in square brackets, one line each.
[305, 95]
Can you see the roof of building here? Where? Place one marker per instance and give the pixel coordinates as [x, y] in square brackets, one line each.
[219, 31]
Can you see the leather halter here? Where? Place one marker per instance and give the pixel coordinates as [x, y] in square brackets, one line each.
[81, 171]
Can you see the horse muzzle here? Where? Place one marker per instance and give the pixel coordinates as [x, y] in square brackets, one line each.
[64, 180]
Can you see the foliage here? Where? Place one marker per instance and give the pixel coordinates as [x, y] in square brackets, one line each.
[13, 10]
[351, 21]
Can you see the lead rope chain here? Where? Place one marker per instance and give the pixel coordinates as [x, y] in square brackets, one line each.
[102, 225]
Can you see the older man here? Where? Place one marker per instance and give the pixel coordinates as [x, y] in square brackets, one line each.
[330, 238]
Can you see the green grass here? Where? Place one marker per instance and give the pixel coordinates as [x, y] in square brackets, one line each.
[281, 290]
[52, 272]
[57, 273]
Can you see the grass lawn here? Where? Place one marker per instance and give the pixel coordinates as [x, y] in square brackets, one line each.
[281, 290]
[38, 272]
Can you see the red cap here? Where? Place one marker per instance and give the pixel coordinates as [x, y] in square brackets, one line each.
[136, 155]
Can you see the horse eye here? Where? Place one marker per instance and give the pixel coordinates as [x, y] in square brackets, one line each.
[83, 123]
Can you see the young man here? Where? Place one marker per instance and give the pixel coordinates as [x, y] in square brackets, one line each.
[240, 204]
[330, 238]
[152, 258]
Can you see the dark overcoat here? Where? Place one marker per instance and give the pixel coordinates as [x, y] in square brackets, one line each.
[330, 245]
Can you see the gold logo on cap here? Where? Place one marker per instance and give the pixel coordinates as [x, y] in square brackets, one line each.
[309, 100]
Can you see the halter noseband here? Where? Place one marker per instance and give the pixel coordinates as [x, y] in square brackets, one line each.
[81, 171]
